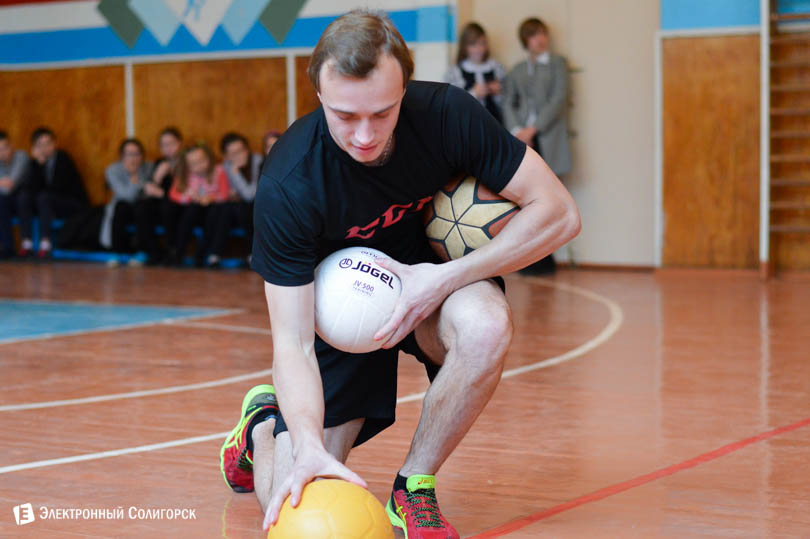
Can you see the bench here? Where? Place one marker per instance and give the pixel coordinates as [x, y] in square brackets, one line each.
[107, 257]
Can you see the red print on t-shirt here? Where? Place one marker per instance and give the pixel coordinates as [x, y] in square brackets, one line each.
[389, 217]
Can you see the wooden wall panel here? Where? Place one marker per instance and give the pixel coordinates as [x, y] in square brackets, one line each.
[711, 151]
[206, 99]
[84, 107]
[305, 97]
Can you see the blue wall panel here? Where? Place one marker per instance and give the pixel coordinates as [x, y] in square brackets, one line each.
[794, 6]
[688, 14]
[422, 25]
[694, 14]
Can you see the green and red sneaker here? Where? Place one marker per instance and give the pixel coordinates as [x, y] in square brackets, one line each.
[416, 511]
[235, 460]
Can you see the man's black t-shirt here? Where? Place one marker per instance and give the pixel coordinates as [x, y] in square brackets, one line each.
[314, 199]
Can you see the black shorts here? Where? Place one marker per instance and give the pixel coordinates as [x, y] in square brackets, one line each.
[364, 385]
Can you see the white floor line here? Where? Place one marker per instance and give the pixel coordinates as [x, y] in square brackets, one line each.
[157, 391]
[613, 325]
[91, 303]
[224, 327]
[615, 322]
[135, 394]
[118, 327]
[112, 453]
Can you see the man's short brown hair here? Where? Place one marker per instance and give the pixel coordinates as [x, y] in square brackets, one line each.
[529, 27]
[355, 42]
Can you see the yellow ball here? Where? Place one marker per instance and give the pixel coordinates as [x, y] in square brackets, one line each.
[332, 508]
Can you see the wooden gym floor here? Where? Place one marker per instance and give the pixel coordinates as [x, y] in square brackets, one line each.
[674, 404]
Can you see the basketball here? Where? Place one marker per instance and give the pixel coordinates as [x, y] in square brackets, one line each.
[333, 509]
[353, 299]
[464, 216]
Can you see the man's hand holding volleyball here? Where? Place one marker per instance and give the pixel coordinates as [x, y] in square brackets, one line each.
[424, 288]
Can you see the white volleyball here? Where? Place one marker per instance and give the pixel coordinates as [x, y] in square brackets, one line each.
[354, 297]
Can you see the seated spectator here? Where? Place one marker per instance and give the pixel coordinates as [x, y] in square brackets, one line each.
[242, 169]
[270, 138]
[13, 164]
[198, 185]
[51, 186]
[153, 207]
[127, 178]
[171, 150]
[476, 72]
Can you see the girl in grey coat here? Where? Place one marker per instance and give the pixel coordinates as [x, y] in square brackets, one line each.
[126, 179]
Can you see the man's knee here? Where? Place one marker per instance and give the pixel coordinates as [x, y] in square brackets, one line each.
[483, 336]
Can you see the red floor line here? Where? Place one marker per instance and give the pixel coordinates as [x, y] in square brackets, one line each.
[517, 524]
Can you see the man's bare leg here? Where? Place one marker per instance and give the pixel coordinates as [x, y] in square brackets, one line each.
[469, 336]
[264, 445]
[273, 458]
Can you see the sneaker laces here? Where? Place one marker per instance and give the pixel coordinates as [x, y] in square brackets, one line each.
[425, 508]
[244, 462]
